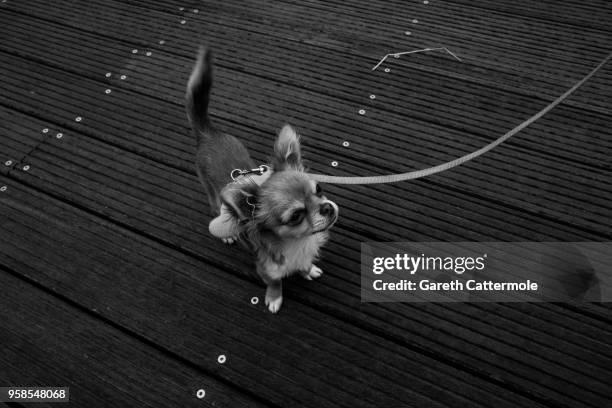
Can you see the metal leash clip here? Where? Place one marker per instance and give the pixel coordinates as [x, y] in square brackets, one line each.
[237, 173]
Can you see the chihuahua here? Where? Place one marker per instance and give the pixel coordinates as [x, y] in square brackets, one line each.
[280, 212]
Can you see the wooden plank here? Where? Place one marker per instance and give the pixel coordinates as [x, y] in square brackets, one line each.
[48, 342]
[364, 26]
[314, 64]
[592, 14]
[448, 24]
[172, 300]
[565, 199]
[377, 30]
[19, 135]
[190, 53]
[458, 337]
[460, 22]
[88, 173]
[594, 151]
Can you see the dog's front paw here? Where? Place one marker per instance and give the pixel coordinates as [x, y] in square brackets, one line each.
[314, 273]
[274, 303]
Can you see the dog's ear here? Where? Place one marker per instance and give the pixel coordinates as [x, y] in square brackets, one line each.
[287, 152]
[241, 198]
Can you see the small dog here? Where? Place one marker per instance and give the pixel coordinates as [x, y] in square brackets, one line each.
[282, 213]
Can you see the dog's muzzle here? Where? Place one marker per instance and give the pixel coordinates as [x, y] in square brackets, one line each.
[329, 210]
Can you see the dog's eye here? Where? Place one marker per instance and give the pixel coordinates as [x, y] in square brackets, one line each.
[297, 217]
[318, 190]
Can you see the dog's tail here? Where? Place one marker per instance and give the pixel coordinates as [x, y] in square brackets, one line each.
[198, 91]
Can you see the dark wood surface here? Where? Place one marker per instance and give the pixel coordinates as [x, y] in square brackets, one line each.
[112, 285]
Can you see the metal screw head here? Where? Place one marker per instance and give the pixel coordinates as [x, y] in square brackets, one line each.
[387, 70]
[183, 21]
[372, 96]
[181, 8]
[346, 144]
[407, 32]
[196, 11]
[59, 135]
[78, 119]
[425, 2]
[134, 51]
[415, 21]
[334, 163]
[362, 111]
[149, 53]
[8, 162]
[161, 42]
[45, 130]
[254, 300]
[107, 91]
[3, 188]
[200, 393]
[26, 168]
[221, 359]
[108, 74]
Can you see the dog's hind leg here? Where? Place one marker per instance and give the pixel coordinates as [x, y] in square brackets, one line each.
[225, 226]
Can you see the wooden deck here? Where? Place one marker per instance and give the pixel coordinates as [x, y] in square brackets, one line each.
[111, 284]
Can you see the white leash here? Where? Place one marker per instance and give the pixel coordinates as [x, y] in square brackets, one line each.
[393, 178]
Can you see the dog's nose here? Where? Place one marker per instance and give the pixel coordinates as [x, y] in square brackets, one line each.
[326, 209]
